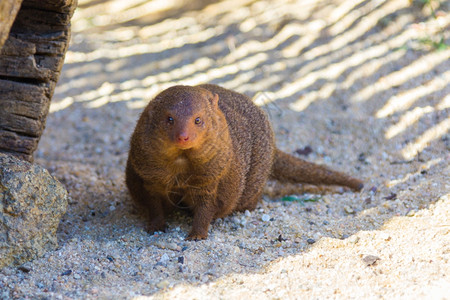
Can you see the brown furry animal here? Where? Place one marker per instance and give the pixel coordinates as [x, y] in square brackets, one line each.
[212, 150]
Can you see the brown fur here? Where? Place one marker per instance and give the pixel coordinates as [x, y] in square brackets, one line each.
[211, 150]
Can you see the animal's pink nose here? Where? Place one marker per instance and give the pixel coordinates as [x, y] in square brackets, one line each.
[183, 137]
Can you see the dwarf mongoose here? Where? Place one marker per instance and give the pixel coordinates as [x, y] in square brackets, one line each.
[211, 150]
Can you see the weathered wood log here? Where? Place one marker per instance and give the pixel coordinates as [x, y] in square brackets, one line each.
[31, 59]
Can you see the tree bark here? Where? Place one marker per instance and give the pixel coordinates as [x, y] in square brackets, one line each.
[30, 63]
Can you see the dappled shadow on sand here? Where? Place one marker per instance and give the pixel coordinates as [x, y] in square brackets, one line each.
[350, 79]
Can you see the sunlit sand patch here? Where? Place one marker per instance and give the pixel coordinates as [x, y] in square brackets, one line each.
[371, 67]
[166, 26]
[399, 38]
[63, 104]
[423, 141]
[105, 7]
[343, 10]
[200, 65]
[357, 59]
[445, 103]
[139, 49]
[103, 95]
[248, 63]
[116, 12]
[259, 86]
[309, 34]
[416, 68]
[369, 21]
[324, 92]
[331, 72]
[255, 46]
[428, 165]
[407, 98]
[407, 120]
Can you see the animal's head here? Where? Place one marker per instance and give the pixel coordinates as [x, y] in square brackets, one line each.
[186, 114]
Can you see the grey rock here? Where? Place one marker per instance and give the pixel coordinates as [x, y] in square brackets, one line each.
[32, 203]
[164, 258]
[310, 241]
[349, 210]
[353, 239]
[370, 260]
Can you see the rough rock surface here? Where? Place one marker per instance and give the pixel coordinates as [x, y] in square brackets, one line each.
[32, 203]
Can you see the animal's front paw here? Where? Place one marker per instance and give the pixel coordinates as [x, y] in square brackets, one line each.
[196, 236]
[155, 226]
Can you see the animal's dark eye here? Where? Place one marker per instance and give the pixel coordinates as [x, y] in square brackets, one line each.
[198, 121]
[170, 120]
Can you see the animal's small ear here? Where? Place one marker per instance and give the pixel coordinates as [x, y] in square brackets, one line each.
[214, 99]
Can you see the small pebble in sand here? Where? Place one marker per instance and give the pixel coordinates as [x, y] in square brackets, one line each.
[370, 260]
[66, 273]
[304, 151]
[265, 218]
[163, 284]
[24, 269]
[392, 196]
[164, 258]
[349, 210]
[411, 213]
[173, 246]
[353, 239]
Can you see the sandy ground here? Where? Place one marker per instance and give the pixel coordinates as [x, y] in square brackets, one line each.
[359, 82]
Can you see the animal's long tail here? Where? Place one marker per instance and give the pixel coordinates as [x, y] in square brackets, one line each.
[288, 168]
